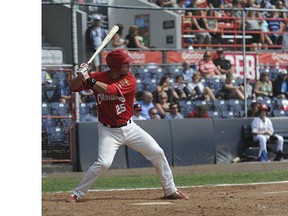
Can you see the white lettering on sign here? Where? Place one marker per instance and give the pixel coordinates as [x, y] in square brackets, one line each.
[280, 56]
[238, 63]
[192, 56]
[138, 56]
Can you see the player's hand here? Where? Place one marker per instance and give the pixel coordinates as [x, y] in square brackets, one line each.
[83, 69]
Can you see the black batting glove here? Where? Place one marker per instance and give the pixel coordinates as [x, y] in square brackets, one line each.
[91, 82]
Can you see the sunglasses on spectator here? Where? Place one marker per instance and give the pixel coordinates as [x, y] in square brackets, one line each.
[174, 107]
[153, 113]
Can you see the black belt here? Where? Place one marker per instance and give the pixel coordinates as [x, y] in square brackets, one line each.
[117, 126]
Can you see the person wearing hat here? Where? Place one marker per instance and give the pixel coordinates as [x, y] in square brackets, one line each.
[222, 64]
[262, 131]
[94, 36]
[280, 85]
[137, 112]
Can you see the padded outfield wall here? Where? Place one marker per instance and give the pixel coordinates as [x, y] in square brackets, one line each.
[185, 142]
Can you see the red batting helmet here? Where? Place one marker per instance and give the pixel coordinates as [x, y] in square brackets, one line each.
[117, 57]
[264, 107]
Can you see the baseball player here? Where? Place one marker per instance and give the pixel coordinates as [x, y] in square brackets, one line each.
[114, 91]
[262, 130]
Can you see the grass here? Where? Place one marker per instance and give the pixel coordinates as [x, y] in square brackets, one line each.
[151, 181]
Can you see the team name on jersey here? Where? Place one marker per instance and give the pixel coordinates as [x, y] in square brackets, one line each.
[103, 97]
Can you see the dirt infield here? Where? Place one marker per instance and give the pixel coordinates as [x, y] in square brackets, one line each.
[253, 199]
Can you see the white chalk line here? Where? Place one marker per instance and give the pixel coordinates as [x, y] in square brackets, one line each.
[196, 186]
[275, 192]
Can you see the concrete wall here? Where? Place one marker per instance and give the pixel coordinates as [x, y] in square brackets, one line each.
[158, 35]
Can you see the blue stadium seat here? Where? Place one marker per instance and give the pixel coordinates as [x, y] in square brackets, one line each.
[60, 109]
[214, 114]
[278, 113]
[227, 114]
[57, 136]
[84, 109]
[221, 105]
[48, 122]
[236, 105]
[46, 109]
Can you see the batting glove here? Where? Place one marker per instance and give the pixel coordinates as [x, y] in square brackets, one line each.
[83, 69]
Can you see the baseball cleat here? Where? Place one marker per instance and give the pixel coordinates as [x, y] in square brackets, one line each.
[177, 195]
[72, 198]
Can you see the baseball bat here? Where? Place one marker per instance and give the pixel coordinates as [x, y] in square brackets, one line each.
[105, 41]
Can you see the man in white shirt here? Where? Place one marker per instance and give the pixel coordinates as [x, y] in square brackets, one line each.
[262, 130]
[137, 112]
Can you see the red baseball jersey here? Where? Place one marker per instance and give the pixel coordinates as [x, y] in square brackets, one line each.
[116, 106]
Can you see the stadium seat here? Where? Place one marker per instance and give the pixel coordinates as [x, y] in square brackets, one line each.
[60, 109]
[48, 122]
[221, 105]
[56, 136]
[46, 109]
[214, 114]
[227, 114]
[235, 105]
[279, 113]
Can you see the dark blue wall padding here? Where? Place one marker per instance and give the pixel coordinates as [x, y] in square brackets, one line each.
[228, 138]
[185, 142]
[87, 145]
[160, 131]
[193, 141]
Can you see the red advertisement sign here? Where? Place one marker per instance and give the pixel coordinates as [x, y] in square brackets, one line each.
[236, 59]
[273, 58]
[141, 57]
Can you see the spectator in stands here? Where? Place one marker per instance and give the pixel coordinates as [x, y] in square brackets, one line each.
[263, 87]
[280, 5]
[275, 25]
[92, 115]
[154, 114]
[137, 112]
[265, 4]
[179, 86]
[87, 96]
[180, 4]
[237, 13]
[262, 130]
[196, 89]
[215, 3]
[94, 37]
[207, 67]
[187, 71]
[164, 85]
[232, 91]
[200, 112]
[166, 3]
[132, 39]
[211, 24]
[222, 64]
[254, 110]
[174, 112]
[285, 37]
[253, 27]
[163, 105]
[280, 85]
[251, 4]
[264, 36]
[249, 92]
[46, 78]
[203, 37]
[146, 104]
[62, 92]
[117, 40]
